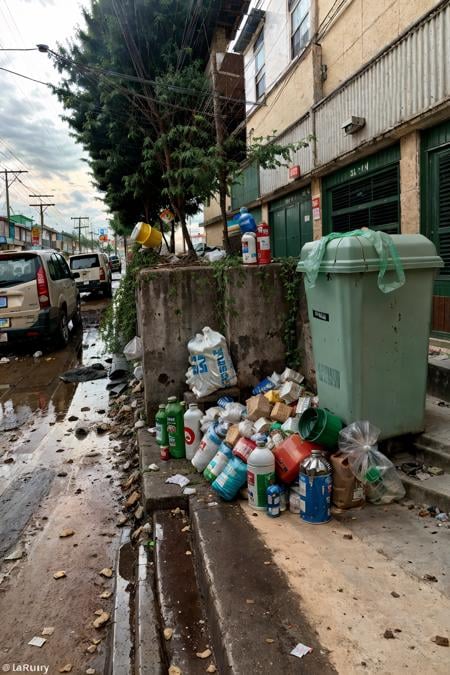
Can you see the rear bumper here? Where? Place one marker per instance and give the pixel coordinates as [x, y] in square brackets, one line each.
[45, 325]
[87, 286]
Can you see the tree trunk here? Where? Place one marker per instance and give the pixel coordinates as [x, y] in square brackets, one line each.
[182, 219]
[172, 236]
[223, 212]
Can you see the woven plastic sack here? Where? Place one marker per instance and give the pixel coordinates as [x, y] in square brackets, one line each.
[211, 366]
[369, 465]
[384, 246]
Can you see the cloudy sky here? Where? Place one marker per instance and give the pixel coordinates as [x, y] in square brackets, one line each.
[32, 134]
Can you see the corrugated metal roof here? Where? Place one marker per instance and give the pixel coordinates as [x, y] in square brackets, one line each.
[248, 30]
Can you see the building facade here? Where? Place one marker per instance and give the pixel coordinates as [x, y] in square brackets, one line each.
[367, 85]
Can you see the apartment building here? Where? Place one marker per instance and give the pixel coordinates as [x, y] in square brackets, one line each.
[368, 83]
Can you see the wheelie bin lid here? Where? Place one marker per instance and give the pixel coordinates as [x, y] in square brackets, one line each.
[352, 254]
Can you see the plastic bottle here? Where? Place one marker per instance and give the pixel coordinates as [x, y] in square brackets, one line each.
[244, 448]
[218, 462]
[175, 428]
[232, 478]
[273, 501]
[161, 426]
[246, 221]
[249, 249]
[260, 474]
[382, 485]
[208, 446]
[192, 430]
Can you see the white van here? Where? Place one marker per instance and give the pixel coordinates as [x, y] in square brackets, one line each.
[94, 272]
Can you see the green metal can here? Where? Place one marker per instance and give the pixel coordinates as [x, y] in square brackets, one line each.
[175, 428]
[161, 426]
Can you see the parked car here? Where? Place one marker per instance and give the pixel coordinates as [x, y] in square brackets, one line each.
[115, 263]
[94, 272]
[38, 296]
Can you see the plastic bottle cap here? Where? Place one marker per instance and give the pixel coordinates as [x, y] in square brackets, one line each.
[162, 406]
[193, 406]
[172, 399]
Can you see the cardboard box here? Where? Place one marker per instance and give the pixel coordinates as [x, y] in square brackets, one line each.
[233, 435]
[262, 426]
[290, 392]
[258, 406]
[289, 375]
[281, 412]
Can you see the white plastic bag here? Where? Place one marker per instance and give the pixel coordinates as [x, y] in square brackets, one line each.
[133, 350]
[369, 465]
[215, 255]
[211, 366]
[232, 412]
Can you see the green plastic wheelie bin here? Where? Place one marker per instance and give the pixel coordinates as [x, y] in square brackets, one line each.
[369, 306]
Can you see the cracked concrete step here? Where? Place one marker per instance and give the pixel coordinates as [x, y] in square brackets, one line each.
[432, 457]
[439, 377]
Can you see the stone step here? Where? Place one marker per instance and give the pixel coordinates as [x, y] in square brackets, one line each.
[439, 377]
[432, 456]
[433, 492]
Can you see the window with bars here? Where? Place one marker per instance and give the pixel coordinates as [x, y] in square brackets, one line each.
[373, 201]
[443, 239]
[260, 66]
[300, 24]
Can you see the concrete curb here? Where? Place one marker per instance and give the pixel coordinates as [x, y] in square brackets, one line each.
[439, 378]
[148, 658]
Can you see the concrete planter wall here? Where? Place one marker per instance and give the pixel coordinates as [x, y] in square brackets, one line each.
[174, 304]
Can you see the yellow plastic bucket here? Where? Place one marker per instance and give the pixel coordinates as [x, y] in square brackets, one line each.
[146, 235]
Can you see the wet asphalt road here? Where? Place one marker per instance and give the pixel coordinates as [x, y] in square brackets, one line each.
[51, 481]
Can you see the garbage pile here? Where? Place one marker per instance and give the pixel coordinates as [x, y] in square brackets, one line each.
[281, 447]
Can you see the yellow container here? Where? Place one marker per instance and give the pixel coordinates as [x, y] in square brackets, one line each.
[146, 235]
[273, 396]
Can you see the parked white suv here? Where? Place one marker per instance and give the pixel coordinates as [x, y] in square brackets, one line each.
[38, 296]
[94, 272]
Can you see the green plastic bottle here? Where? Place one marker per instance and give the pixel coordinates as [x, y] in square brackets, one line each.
[175, 428]
[161, 426]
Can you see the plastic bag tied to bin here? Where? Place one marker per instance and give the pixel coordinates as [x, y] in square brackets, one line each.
[383, 245]
[211, 366]
[379, 476]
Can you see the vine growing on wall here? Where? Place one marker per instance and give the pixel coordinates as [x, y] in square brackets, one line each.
[225, 303]
[292, 282]
[119, 322]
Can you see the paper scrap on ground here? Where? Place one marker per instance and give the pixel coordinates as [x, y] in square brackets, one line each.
[301, 650]
[189, 491]
[178, 479]
[37, 642]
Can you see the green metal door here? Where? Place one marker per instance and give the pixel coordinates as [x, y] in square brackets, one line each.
[364, 194]
[290, 221]
[435, 215]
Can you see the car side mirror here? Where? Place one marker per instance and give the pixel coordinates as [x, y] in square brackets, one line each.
[75, 275]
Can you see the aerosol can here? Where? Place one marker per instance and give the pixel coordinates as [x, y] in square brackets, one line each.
[249, 249]
[315, 489]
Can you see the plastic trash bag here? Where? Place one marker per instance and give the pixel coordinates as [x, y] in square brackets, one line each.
[232, 412]
[214, 256]
[211, 366]
[369, 465]
[133, 350]
[383, 245]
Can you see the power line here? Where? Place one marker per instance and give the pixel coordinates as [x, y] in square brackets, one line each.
[80, 227]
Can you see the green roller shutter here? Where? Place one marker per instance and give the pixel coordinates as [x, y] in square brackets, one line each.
[290, 221]
[364, 194]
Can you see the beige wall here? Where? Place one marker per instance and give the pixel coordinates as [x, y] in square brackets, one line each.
[213, 209]
[288, 101]
[409, 183]
[214, 234]
[362, 29]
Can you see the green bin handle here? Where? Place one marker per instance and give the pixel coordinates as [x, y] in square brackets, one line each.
[383, 244]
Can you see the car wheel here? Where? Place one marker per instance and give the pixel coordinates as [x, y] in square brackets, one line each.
[77, 319]
[62, 334]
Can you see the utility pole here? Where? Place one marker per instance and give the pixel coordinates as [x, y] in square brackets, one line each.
[80, 227]
[115, 243]
[7, 186]
[220, 138]
[42, 207]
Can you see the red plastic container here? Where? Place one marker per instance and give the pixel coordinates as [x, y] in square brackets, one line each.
[243, 448]
[289, 455]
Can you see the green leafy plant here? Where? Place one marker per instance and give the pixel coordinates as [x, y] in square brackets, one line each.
[292, 282]
[225, 303]
[119, 323]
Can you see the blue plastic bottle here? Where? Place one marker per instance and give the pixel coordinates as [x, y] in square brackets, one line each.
[246, 221]
[232, 478]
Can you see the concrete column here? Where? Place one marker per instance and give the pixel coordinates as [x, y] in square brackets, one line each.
[316, 192]
[410, 183]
